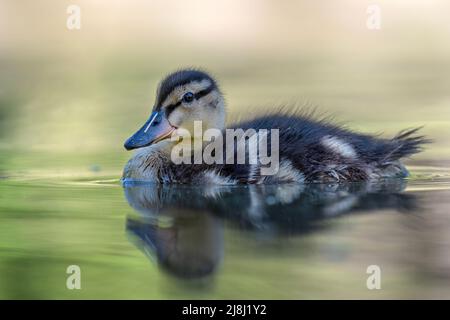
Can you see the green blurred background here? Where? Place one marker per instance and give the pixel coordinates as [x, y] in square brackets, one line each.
[69, 99]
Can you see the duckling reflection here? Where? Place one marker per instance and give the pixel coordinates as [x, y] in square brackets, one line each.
[184, 241]
[182, 226]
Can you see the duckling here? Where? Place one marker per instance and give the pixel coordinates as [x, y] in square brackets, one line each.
[309, 150]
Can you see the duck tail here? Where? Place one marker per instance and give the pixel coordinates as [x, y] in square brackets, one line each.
[405, 144]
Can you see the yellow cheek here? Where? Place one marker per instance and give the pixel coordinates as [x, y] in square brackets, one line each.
[177, 117]
[184, 117]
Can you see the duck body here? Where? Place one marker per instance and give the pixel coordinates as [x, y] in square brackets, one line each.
[309, 151]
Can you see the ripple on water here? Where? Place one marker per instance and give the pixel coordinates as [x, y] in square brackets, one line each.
[294, 239]
[422, 178]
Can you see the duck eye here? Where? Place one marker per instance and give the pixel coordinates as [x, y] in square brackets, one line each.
[188, 97]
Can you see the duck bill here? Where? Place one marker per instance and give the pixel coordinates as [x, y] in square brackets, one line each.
[156, 128]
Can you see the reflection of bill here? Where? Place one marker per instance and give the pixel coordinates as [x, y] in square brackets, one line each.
[186, 244]
[182, 227]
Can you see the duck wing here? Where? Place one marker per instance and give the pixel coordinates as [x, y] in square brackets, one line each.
[315, 146]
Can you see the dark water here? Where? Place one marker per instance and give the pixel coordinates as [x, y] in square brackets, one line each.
[277, 241]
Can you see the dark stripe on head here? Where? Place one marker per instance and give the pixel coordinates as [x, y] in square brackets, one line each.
[169, 109]
[180, 78]
[202, 93]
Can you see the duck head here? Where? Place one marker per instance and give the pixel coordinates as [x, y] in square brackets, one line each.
[182, 97]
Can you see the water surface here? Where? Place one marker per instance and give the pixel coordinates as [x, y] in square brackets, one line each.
[173, 242]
